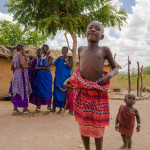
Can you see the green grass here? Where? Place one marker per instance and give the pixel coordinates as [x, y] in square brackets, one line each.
[123, 81]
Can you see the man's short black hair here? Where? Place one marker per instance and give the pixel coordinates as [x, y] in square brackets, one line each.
[46, 46]
[66, 48]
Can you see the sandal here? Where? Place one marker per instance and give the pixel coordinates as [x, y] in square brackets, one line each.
[63, 112]
[59, 111]
[27, 114]
[37, 111]
[16, 112]
[47, 112]
[53, 110]
[124, 147]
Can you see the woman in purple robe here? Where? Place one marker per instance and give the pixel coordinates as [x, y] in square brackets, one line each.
[21, 88]
[33, 72]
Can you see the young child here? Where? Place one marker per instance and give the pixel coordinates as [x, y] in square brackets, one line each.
[69, 101]
[21, 88]
[42, 87]
[91, 106]
[126, 119]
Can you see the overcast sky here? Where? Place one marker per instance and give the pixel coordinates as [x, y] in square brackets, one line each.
[132, 40]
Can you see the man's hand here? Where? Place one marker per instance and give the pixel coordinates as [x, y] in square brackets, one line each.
[138, 128]
[68, 85]
[48, 53]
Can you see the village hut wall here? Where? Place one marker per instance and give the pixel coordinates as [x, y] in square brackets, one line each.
[5, 76]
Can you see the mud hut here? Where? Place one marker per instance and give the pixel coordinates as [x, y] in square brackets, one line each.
[6, 55]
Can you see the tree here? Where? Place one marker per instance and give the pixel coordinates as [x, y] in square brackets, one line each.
[12, 34]
[72, 16]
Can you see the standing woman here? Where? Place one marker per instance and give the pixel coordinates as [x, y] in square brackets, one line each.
[42, 87]
[21, 88]
[62, 73]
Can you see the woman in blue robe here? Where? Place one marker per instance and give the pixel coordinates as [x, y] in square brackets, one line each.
[62, 73]
[42, 87]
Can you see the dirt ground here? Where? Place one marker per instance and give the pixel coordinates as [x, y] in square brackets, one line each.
[55, 132]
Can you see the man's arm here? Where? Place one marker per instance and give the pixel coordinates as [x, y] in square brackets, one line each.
[109, 57]
[111, 61]
[138, 120]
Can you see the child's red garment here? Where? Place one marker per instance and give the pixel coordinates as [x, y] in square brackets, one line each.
[91, 105]
[126, 121]
[69, 99]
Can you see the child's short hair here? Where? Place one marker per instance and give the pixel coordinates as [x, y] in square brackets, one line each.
[19, 47]
[47, 47]
[99, 24]
[65, 47]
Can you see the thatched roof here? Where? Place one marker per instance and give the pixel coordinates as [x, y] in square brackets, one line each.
[10, 51]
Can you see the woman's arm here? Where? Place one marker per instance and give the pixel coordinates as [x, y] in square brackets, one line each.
[22, 62]
[48, 61]
[68, 62]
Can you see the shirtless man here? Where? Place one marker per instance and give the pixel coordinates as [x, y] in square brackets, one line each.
[91, 85]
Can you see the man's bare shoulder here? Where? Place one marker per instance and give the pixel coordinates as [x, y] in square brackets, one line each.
[135, 110]
[81, 48]
[105, 48]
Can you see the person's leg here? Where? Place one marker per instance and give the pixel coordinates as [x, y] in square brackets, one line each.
[25, 109]
[71, 112]
[125, 142]
[38, 109]
[65, 108]
[16, 111]
[48, 110]
[99, 143]
[86, 142]
[26, 112]
[59, 111]
[54, 109]
[129, 140]
[49, 107]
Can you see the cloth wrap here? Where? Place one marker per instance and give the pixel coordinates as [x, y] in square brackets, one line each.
[42, 87]
[126, 121]
[91, 105]
[62, 73]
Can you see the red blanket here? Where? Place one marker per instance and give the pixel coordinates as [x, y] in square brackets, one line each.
[126, 121]
[91, 105]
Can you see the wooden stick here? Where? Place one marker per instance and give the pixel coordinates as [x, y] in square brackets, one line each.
[141, 83]
[129, 81]
[138, 80]
[68, 42]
